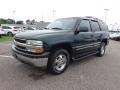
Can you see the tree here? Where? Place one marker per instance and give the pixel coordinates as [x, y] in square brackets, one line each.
[28, 21]
[3, 21]
[7, 21]
[33, 22]
[19, 22]
[10, 21]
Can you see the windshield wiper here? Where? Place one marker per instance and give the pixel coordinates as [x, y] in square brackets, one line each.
[57, 28]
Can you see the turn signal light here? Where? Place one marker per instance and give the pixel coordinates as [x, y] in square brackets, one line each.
[39, 50]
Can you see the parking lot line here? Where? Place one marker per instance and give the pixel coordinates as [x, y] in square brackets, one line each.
[6, 56]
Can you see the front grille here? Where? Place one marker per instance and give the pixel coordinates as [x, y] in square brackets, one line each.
[18, 44]
[21, 47]
[20, 40]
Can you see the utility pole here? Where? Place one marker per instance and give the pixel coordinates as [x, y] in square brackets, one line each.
[53, 14]
[13, 12]
[106, 13]
[42, 16]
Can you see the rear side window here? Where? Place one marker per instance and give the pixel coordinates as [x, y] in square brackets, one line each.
[84, 24]
[95, 26]
[6, 27]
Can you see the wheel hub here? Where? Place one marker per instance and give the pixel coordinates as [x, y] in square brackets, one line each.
[60, 62]
[102, 50]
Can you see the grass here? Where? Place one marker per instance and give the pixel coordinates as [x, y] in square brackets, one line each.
[6, 38]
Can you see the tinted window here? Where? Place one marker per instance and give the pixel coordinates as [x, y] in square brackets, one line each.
[6, 27]
[95, 26]
[16, 27]
[84, 24]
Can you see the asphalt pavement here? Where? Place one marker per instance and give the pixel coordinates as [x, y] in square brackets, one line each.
[92, 73]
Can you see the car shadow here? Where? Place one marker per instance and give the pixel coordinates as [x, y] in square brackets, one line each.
[35, 73]
[38, 73]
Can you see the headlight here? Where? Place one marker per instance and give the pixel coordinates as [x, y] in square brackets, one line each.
[34, 42]
[35, 46]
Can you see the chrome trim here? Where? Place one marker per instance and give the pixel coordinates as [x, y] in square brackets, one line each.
[20, 38]
[86, 45]
[14, 46]
[25, 45]
[20, 49]
[21, 44]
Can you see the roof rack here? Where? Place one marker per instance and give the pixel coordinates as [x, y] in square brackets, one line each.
[88, 16]
[93, 18]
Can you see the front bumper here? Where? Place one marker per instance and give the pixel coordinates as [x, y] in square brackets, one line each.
[31, 59]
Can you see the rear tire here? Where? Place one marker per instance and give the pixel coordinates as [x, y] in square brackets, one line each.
[58, 61]
[101, 50]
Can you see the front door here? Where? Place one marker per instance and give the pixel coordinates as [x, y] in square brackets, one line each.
[83, 39]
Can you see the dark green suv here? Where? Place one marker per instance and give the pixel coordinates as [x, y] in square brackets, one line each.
[62, 41]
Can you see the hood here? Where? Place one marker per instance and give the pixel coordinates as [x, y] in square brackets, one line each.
[39, 34]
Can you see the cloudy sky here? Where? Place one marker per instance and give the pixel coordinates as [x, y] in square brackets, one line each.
[36, 9]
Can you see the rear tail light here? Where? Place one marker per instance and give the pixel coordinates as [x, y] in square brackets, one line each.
[15, 30]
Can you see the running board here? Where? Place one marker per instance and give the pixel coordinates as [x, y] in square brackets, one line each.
[82, 57]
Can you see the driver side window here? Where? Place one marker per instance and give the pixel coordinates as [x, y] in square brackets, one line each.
[84, 26]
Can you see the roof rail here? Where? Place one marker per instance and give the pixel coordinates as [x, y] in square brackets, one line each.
[94, 18]
[88, 16]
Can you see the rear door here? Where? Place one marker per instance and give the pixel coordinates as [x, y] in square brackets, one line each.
[84, 39]
[97, 34]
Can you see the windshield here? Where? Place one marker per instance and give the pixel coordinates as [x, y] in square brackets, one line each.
[62, 24]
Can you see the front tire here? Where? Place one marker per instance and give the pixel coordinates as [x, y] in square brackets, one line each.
[58, 61]
[102, 49]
